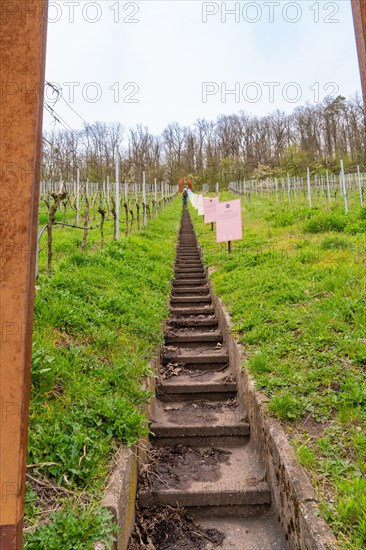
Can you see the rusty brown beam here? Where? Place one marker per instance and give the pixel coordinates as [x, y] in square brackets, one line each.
[359, 18]
[22, 57]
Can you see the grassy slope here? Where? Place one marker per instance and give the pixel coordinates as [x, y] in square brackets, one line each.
[97, 325]
[295, 289]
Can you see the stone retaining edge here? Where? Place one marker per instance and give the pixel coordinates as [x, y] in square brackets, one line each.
[293, 497]
[119, 496]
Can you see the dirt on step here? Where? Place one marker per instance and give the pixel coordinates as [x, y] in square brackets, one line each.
[171, 529]
[203, 411]
[177, 467]
[189, 331]
[175, 369]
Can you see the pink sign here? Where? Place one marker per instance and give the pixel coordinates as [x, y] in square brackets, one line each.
[228, 221]
[209, 209]
[200, 205]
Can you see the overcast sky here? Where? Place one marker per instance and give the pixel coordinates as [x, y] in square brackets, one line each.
[154, 62]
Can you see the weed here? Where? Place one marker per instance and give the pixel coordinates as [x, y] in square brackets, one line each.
[73, 529]
[286, 407]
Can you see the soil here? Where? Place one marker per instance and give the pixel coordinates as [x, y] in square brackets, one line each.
[188, 413]
[173, 468]
[189, 331]
[169, 370]
[171, 352]
[194, 320]
[48, 497]
[175, 369]
[171, 529]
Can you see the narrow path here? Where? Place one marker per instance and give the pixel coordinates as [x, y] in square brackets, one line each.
[204, 485]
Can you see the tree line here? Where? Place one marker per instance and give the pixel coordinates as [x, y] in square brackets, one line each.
[231, 148]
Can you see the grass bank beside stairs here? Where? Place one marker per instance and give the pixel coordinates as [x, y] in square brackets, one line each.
[295, 288]
[97, 324]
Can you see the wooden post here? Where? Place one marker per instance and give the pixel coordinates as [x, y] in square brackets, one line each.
[359, 182]
[116, 235]
[22, 54]
[344, 187]
[144, 194]
[309, 190]
[328, 188]
[359, 18]
[156, 196]
[77, 195]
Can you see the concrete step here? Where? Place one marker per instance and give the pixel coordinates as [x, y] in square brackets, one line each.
[198, 423]
[217, 478]
[191, 299]
[208, 357]
[189, 272]
[188, 386]
[193, 321]
[189, 264]
[192, 310]
[183, 336]
[199, 276]
[259, 531]
[191, 290]
[179, 282]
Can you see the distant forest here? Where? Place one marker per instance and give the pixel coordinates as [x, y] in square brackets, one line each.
[231, 148]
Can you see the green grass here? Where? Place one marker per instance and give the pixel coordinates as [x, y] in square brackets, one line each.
[295, 287]
[97, 323]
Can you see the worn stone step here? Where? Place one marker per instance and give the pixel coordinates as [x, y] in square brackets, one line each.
[192, 310]
[200, 355]
[190, 305]
[259, 530]
[209, 495]
[207, 477]
[197, 277]
[182, 281]
[190, 299]
[194, 321]
[189, 272]
[191, 290]
[194, 423]
[187, 386]
[191, 263]
[193, 337]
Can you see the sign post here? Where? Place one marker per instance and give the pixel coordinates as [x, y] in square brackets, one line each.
[228, 222]
[359, 18]
[209, 210]
[117, 198]
[144, 194]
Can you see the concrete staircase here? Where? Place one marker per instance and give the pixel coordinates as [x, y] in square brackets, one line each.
[198, 416]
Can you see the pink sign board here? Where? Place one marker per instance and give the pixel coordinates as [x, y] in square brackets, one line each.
[228, 221]
[200, 205]
[209, 209]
